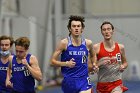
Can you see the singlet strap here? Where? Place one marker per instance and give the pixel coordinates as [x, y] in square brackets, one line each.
[28, 58]
[69, 41]
[14, 58]
[83, 41]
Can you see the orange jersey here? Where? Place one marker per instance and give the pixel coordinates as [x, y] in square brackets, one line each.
[109, 76]
[109, 72]
[103, 53]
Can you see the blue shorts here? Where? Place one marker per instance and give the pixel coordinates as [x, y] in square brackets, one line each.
[75, 85]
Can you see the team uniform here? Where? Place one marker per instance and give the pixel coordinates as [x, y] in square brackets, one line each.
[3, 74]
[109, 76]
[76, 79]
[23, 82]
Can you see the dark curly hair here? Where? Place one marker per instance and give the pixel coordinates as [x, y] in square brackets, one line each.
[76, 18]
[107, 22]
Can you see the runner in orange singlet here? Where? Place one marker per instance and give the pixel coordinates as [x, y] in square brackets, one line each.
[111, 61]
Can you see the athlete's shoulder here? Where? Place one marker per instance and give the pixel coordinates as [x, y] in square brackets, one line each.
[10, 57]
[33, 59]
[121, 46]
[62, 44]
[64, 41]
[32, 56]
[88, 41]
[97, 45]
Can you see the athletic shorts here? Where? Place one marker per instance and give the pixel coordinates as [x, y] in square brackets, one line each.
[108, 87]
[75, 85]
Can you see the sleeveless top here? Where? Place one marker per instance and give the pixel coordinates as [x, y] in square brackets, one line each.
[21, 77]
[109, 72]
[3, 74]
[80, 56]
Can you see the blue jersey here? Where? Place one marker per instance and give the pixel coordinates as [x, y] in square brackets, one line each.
[3, 74]
[80, 56]
[21, 77]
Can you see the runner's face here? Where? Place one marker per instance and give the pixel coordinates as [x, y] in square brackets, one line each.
[20, 52]
[107, 31]
[5, 45]
[76, 28]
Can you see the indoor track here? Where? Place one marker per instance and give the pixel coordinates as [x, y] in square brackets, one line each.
[133, 86]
